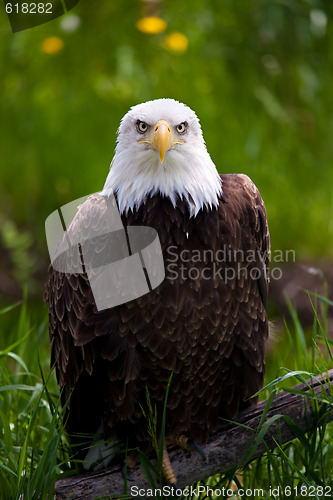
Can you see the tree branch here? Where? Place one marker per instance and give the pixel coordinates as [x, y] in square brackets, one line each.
[230, 447]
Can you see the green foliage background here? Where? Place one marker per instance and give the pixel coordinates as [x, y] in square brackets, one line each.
[258, 74]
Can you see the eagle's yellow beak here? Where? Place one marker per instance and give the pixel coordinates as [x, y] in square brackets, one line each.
[162, 137]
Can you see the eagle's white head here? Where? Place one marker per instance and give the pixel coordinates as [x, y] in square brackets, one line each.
[160, 149]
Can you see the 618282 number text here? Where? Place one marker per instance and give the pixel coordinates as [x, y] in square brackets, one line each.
[29, 8]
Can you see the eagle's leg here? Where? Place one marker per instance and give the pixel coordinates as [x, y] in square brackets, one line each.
[130, 462]
[185, 444]
[167, 469]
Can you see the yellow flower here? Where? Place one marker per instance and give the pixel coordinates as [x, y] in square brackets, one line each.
[176, 42]
[151, 25]
[52, 45]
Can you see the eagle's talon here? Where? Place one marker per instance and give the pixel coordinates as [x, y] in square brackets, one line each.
[195, 447]
[188, 444]
[129, 463]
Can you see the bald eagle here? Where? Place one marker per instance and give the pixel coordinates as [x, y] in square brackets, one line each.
[205, 323]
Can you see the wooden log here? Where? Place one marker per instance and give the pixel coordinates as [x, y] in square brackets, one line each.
[232, 446]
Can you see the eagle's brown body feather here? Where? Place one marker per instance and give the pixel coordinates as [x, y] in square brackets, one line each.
[209, 333]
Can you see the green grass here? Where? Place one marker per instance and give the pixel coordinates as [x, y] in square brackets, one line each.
[34, 451]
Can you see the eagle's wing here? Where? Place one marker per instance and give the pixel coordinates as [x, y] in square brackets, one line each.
[87, 349]
[244, 229]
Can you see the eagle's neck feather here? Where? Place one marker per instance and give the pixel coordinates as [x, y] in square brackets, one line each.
[193, 178]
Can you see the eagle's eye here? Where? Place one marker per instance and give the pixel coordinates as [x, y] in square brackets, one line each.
[142, 127]
[181, 128]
